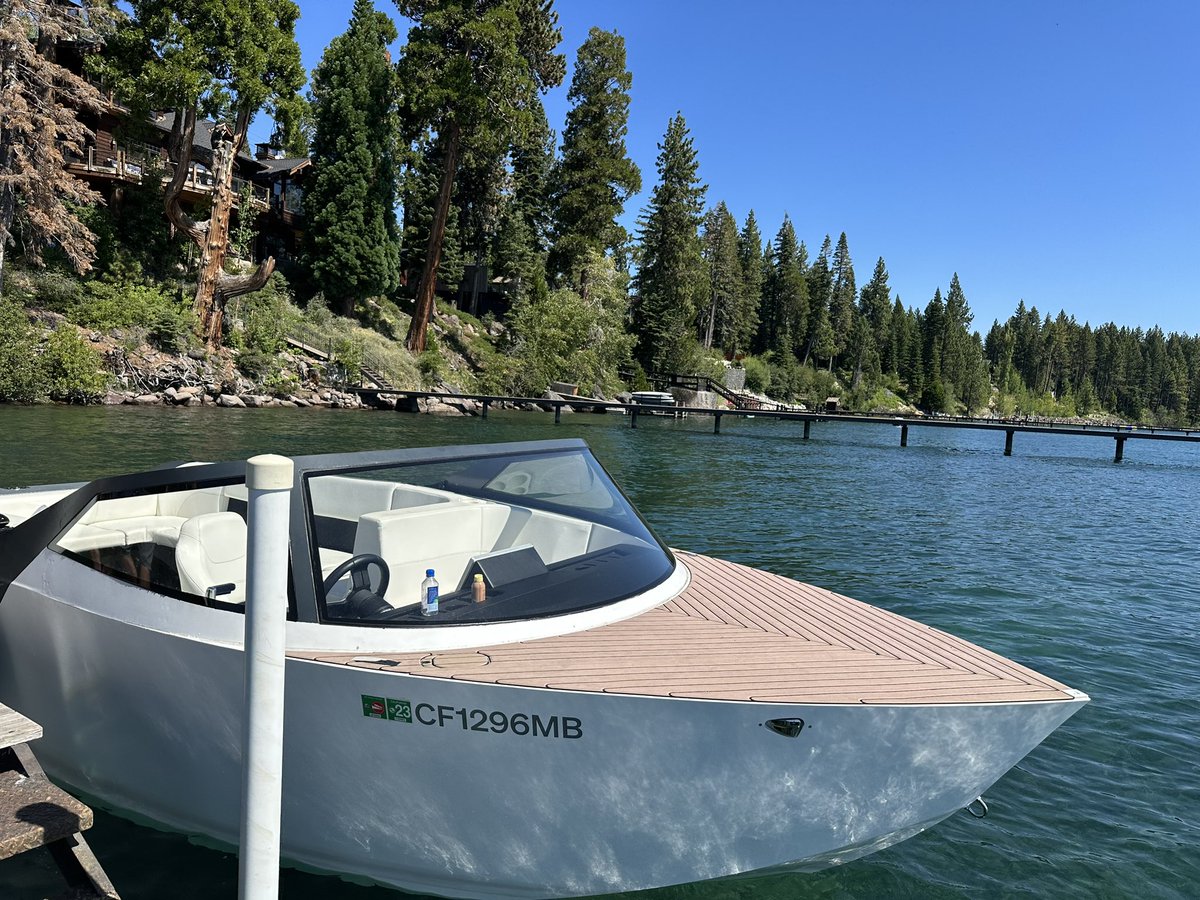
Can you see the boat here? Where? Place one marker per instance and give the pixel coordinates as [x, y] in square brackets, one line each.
[613, 715]
[658, 403]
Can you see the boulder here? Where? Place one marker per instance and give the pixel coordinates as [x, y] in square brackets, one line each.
[147, 400]
[230, 401]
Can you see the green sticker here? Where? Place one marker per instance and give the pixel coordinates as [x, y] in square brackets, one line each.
[399, 710]
[375, 707]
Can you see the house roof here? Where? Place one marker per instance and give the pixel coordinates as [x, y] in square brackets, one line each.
[202, 146]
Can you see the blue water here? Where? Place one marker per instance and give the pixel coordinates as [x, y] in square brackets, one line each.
[1084, 569]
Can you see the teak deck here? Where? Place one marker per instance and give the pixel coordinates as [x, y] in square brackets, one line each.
[738, 633]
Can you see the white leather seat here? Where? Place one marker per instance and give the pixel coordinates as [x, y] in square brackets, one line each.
[212, 551]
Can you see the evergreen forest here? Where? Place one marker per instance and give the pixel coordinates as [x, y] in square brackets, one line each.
[439, 193]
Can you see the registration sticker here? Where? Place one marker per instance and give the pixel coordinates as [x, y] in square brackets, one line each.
[399, 710]
[375, 707]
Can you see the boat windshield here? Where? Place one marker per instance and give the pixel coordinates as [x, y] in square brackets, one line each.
[508, 536]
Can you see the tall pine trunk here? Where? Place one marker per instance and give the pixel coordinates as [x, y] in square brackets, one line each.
[433, 251]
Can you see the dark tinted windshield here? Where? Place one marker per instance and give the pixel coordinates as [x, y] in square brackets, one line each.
[545, 532]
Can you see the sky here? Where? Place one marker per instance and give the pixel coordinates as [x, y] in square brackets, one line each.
[1044, 151]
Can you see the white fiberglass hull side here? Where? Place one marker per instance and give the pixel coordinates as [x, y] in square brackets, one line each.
[578, 793]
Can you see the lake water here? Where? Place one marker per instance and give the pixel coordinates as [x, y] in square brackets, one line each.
[1086, 570]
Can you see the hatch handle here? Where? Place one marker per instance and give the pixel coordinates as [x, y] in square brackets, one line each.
[978, 808]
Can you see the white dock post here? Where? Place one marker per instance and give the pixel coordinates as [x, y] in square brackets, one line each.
[269, 480]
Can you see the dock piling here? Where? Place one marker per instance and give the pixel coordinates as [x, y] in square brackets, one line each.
[1008, 439]
[557, 413]
[904, 435]
[716, 423]
[269, 480]
[633, 417]
[486, 404]
[807, 426]
[1120, 448]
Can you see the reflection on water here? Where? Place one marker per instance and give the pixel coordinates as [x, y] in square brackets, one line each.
[1083, 569]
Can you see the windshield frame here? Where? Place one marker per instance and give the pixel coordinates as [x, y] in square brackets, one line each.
[309, 594]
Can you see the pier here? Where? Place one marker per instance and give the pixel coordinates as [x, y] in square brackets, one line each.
[35, 813]
[1119, 434]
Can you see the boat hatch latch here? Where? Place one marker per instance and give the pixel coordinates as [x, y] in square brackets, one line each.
[786, 727]
[220, 590]
[978, 808]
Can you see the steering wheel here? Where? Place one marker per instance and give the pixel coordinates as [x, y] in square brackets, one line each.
[360, 579]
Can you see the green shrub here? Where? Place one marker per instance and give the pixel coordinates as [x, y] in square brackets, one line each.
[18, 361]
[71, 369]
[55, 291]
[348, 355]
[429, 364]
[758, 374]
[256, 365]
[267, 317]
[167, 320]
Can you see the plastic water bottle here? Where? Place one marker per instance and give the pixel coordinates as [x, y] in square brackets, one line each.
[429, 594]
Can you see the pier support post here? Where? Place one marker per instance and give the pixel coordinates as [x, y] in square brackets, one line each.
[807, 426]
[486, 404]
[716, 423]
[904, 435]
[269, 480]
[633, 417]
[557, 413]
[1120, 448]
[1008, 438]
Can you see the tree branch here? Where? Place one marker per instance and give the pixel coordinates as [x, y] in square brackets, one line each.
[183, 135]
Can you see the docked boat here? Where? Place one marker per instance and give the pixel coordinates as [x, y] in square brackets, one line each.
[586, 711]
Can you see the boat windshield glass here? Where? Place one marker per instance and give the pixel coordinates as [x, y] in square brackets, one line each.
[508, 536]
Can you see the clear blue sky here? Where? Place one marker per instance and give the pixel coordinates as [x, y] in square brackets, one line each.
[1045, 151]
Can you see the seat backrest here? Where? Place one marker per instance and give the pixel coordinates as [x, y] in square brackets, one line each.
[212, 551]
[442, 537]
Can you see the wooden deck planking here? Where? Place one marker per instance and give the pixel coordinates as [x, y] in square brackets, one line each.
[16, 729]
[737, 633]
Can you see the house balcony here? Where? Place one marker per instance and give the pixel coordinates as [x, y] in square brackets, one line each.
[130, 163]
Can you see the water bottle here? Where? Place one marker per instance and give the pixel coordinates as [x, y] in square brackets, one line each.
[429, 594]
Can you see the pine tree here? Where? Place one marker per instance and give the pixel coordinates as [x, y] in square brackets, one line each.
[720, 321]
[39, 125]
[595, 175]
[750, 255]
[875, 304]
[843, 295]
[519, 251]
[353, 238]
[670, 279]
[820, 292]
[957, 362]
[788, 291]
[471, 68]
[419, 189]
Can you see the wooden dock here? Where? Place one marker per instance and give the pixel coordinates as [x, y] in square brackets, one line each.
[1009, 427]
[35, 813]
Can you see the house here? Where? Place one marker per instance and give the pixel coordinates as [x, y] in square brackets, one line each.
[112, 160]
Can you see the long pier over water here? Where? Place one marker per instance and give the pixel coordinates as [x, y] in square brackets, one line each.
[1117, 433]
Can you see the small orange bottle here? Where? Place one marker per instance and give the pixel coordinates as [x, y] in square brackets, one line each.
[478, 589]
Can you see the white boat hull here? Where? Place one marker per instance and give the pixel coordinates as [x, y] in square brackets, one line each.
[611, 793]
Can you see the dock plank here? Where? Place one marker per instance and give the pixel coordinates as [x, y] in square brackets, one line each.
[16, 729]
[34, 813]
